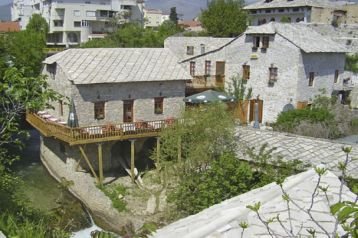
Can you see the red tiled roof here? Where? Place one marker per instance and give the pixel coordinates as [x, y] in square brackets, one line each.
[189, 23]
[9, 26]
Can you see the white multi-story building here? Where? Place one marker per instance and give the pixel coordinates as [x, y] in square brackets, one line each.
[75, 21]
[154, 18]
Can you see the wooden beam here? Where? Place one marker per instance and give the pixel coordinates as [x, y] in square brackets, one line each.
[88, 162]
[100, 163]
[132, 160]
[158, 151]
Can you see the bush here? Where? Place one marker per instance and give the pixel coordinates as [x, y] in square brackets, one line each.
[116, 194]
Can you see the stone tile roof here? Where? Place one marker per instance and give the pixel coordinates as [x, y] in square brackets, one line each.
[9, 26]
[116, 65]
[310, 151]
[300, 35]
[222, 220]
[262, 4]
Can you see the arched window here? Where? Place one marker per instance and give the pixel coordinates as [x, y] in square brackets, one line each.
[298, 19]
[272, 19]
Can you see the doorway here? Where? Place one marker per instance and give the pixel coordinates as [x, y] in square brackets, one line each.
[252, 109]
[128, 111]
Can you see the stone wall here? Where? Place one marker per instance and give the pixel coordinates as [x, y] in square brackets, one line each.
[324, 69]
[143, 94]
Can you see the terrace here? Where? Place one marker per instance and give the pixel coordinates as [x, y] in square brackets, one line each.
[98, 133]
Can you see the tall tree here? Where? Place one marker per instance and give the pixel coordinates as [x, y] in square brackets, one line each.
[173, 15]
[38, 24]
[224, 18]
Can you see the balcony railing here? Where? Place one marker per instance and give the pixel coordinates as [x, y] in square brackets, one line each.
[98, 133]
[207, 82]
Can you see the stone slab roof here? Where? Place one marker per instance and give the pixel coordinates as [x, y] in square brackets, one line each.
[262, 4]
[222, 220]
[117, 65]
[300, 35]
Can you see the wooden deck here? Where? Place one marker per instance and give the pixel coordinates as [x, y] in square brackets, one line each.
[98, 133]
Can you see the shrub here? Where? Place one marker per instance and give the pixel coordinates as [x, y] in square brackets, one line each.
[116, 194]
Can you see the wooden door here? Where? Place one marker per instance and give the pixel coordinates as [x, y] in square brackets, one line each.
[220, 73]
[128, 113]
[252, 109]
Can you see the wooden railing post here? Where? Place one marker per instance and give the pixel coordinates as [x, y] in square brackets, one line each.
[132, 160]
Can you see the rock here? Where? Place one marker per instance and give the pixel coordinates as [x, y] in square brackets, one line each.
[151, 205]
[162, 201]
[2, 235]
[120, 196]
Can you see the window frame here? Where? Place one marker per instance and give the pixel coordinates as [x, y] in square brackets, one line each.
[190, 50]
[265, 42]
[192, 68]
[100, 110]
[207, 67]
[273, 73]
[311, 77]
[159, 105]
[256, 42]
[245, 72]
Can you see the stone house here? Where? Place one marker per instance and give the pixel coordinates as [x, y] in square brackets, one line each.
[283, 64]
[117, 85]
[314, 11]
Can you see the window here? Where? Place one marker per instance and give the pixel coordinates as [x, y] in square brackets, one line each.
[245, 72]
[90, 13]
[311, 79]
[58, 23]
[99, 110]
[77, 13]
[281, 10]
[207, 67]
[190, 50]
[103, 13]
[296, 9]
[336, 75]
[202, 48]
[77, 24]
[265, 42]
[158, 105]
[51, 69]
[128, 110]
[268, 11]
[60, 107]
[273, 73]
[84, 23]
[192, 68]
[256, 41]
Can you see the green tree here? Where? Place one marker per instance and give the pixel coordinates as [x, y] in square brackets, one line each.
[38, 24]
[352, 63]
[285, 19]
[224, 18]
[173, 15]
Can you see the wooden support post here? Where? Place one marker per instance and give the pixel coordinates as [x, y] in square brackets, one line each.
[179, 150]
[88, 162]
[100, 163]
[132, 160]
[158, 151]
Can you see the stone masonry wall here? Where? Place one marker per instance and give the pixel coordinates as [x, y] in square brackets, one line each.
[324, 69]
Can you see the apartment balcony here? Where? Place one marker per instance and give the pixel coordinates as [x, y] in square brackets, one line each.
[205, 82]
[50, 127]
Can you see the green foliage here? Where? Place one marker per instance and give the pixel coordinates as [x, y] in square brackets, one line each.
[285, 19]
[237, 88]
[205, 133]
[226, 177]
[132, 35]
[352, 63]
[224, 18]
[12, 226]
[288, 120]
[116, 194]
[173, 15]
[38, 24]
[347, 215]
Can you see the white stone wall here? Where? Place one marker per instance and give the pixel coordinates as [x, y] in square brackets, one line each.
[324, 67]
[143, 94]
[281, 54]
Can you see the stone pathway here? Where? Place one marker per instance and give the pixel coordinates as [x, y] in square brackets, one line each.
[306, 149]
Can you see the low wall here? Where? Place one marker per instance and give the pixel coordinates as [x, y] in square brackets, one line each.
[84, 188]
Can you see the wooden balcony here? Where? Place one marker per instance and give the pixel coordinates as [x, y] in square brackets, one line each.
[205, 82]
[98, 133]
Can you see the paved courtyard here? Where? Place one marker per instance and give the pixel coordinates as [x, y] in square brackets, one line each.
[308, 150]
